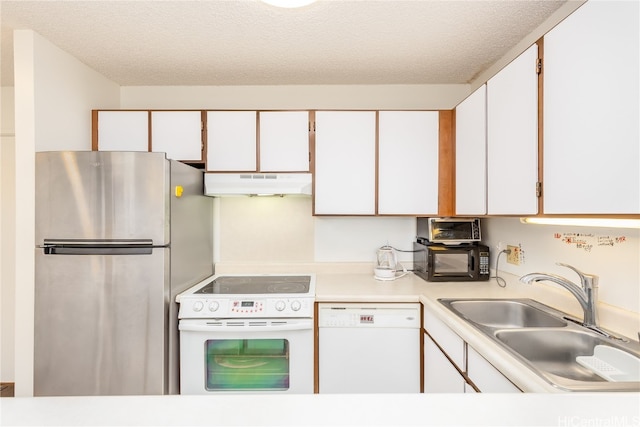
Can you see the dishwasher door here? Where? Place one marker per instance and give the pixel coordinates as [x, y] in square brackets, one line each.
[369, 348]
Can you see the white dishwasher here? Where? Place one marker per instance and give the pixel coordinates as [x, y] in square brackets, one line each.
[369, 348]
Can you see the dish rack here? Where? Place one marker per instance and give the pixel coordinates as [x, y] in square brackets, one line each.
[612, 364]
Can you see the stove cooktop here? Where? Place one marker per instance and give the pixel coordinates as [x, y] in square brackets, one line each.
[249, 296]
[252, 285]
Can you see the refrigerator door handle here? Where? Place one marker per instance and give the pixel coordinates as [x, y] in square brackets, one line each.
[97, 247]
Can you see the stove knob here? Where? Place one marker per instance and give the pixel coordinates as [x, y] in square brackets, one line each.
[295, 306]
[198, 306]
[214, 306]
[280, 305]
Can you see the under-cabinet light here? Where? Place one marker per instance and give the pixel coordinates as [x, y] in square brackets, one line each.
[585, 222]
[289, 3]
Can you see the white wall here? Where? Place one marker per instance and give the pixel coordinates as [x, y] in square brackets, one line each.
[611, 253]
[7, 234]
[54, 94]
[358, 97]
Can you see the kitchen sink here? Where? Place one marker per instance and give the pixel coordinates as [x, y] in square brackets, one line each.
[545, 340]
[505, 314]
[555, 351]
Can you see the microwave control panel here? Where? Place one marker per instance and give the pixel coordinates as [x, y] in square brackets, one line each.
[484, 263]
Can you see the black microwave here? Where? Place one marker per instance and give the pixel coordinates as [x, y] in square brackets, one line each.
[446, 263]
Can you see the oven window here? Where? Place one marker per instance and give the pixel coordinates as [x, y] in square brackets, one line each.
[249, 364]
[450, 263]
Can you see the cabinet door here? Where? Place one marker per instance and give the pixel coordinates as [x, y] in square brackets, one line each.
[231, 141]
[512, 137]
[408, 162]
[123, 131]
[284, 141]
[177, 133]
[448, 340]
[345, 162]
[471, 154]
[440, 376]
[487, 378]
[592, 111]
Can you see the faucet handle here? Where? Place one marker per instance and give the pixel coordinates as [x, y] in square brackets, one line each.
[587, 280]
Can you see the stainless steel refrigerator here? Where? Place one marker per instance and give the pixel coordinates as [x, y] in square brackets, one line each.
[118, 236]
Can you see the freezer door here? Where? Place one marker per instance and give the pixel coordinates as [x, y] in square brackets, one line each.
[102, 195]
[101, 324]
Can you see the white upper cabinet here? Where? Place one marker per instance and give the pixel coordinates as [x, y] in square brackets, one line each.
[231, 141]
[408, 162]
[177, 133]
[471, 154]
[512, 137]
[591, 111]
[345, 145]
[123, 130]
[284, 141]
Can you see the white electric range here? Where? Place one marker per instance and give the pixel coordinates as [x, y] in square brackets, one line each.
[247, 334]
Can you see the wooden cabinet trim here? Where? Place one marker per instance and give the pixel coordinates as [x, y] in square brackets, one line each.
[540, 44]
[94, 130]
[447, 164]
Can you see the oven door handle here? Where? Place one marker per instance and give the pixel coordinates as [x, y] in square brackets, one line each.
[218, 327]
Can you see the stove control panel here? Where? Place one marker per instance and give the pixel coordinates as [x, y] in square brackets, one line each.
[203, 307]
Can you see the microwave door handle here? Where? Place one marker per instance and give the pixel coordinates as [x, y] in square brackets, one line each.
[472, 261]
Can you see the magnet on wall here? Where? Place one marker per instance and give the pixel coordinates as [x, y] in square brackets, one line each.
[178, 191]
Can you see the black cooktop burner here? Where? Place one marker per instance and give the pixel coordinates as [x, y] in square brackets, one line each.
[246, 285]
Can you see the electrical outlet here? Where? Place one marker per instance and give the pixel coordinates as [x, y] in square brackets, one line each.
[513, 257]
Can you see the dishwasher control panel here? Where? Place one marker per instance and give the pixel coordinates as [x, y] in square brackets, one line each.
[369, 315]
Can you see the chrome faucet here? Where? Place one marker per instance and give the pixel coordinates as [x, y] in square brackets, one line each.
[587, 293]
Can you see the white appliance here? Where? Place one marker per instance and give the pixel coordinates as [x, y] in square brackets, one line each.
[225, 184]
[387, 265]
[369, 348]
[247, 334]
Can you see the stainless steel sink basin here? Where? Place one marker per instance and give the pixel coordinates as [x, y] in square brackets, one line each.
[544, 340]
[505, 314]
[555, 351]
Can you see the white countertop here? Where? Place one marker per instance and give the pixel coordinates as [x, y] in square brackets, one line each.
[569, 409]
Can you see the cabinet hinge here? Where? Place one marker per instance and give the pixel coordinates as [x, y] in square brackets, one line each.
[539, 66]
[538, 189]
[312, 126]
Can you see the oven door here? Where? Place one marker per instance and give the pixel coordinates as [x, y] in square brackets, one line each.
[246, 356]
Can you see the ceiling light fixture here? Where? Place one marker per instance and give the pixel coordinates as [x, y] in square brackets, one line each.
[289, 3]
[585, 222]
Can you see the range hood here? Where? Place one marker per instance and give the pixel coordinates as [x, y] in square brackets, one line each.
[234, 184]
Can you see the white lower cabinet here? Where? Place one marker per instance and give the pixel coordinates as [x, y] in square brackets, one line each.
[468, 388]
[487, 378]
[440, 375]
[453, 366]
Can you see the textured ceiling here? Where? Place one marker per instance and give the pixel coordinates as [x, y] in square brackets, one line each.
[247, 42]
